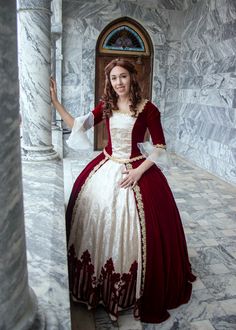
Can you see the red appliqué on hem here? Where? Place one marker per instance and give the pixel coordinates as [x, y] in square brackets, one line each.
[114, 290]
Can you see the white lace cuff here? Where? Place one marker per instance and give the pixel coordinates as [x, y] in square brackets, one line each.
[157, 155]
[78, 139]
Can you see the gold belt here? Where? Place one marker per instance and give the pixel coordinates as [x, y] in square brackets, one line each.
[122, 160]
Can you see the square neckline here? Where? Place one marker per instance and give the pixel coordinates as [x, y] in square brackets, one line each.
[141, 107]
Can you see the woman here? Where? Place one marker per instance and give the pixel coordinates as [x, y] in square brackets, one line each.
[126, 245]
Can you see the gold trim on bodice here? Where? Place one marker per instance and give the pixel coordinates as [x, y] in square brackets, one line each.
[123, 160]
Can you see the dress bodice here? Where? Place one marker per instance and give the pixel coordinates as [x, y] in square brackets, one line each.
[121, 126]
[126, 133]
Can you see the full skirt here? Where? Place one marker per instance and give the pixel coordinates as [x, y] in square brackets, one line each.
[126, 247]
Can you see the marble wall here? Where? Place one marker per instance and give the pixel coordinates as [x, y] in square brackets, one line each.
[206, 127]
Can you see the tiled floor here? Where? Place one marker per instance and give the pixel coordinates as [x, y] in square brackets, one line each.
[208, 209]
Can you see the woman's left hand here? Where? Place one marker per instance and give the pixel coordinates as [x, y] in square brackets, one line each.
[131, 179]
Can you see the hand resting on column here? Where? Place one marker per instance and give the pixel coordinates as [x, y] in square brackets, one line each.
[68, 119]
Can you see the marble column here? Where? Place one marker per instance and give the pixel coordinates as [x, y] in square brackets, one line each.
[34, 72]
[54, 119]
[57, 57]
[18, 303]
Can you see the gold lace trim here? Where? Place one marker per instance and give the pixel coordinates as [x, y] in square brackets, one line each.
[122, 160]
[140, 207]
[163, 146]
[83, 186]
[142, 106]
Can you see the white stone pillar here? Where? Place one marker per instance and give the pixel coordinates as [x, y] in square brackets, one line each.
[34, 73]
[56, 34]
[18, 304]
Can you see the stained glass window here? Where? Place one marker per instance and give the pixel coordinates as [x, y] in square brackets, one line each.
[124, 38]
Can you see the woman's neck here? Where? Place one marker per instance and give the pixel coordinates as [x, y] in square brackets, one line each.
[123, 100]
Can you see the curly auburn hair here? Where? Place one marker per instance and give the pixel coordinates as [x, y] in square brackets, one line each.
[110, 97]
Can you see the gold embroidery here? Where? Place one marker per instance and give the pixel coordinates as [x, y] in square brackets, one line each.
[122, 160]
[142, 106]
[83, 186]
[163, 146]
[140, 207]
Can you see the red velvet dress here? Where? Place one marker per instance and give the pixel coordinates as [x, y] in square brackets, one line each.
[127, 249]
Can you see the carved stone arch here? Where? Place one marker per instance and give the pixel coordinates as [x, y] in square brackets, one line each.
[123, 37]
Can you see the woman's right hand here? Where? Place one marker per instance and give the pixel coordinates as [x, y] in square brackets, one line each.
[53, 90]
[68, 119]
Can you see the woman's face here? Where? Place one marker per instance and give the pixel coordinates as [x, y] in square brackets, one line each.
[120, 80]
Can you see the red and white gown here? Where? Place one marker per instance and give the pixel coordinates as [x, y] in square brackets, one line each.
[126, 247]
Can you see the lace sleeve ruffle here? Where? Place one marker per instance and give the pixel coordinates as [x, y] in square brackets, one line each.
[78, 139]
[156, 153]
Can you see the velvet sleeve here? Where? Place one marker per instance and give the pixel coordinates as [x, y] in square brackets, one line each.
[98, 113]
[155, 151]
[154, 125]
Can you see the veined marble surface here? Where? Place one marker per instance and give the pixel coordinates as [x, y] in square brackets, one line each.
[206, 119]
[18, 304]
[46, 238]
[34, 72]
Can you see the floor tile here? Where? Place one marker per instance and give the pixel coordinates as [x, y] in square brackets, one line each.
[201, 325]
[229, 306]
